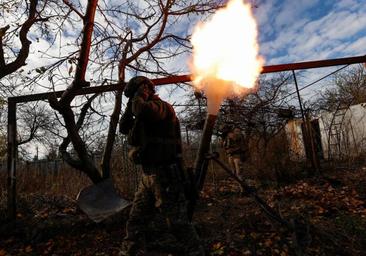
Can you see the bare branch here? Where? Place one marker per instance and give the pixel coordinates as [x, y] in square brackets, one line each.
[165, 15]
[2, 33]
[70, 5]
[76, 163]
[11, 67]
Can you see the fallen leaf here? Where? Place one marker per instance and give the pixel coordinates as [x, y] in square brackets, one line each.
[28, 249]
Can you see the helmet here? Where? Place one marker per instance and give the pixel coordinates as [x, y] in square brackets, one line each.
[135, 83]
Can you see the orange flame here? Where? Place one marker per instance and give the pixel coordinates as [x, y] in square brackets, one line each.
[226, 57]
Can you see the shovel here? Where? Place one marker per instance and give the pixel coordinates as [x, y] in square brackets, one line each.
[100, 201]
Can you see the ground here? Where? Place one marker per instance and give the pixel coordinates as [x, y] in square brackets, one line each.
[330, 212]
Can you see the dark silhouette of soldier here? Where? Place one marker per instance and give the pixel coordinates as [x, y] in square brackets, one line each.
[154, 134]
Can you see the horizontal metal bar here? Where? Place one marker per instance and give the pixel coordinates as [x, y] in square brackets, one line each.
[172, 80]
[82, 91]
[188, 78]
[314, 64]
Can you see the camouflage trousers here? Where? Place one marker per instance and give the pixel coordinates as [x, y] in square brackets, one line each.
[161, 192]
[237, 164]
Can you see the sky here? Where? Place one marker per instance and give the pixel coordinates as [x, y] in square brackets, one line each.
[289, 31]
[301, 30]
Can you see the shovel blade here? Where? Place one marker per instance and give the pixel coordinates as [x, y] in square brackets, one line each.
[100, 201]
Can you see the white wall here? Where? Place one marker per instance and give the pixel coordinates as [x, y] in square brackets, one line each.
[343, 133]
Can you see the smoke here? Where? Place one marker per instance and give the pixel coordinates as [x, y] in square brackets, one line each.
[217, 90]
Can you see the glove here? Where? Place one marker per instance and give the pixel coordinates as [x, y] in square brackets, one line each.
[143, 92]
[134, 155]
[127, 119]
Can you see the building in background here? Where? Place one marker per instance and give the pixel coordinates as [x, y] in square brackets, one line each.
[340, 134]
[343, 132]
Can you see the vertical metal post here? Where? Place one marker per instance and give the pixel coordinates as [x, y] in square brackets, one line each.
[308, 141]
[12, 157]
[305, 131]
[314, 154]
[187, 136]
[298, 96]
[201, 163]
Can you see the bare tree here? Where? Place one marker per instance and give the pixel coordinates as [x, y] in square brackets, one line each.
[21, 24]
[11, 58]
[135, 45]
[264, 111]
[347, 88]
[94, 43]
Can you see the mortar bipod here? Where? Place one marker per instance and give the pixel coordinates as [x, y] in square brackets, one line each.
[251, 192]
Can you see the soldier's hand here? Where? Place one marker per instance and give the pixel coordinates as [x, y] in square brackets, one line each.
[133, 154]
[143, 91]
[127, 120]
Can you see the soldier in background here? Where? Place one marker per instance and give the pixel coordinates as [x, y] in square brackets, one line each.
[235, 147]
[154, 134]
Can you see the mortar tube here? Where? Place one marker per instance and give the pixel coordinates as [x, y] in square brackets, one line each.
[201, 163]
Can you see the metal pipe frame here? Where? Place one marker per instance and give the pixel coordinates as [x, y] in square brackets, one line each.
[12, 102]
[188, 78]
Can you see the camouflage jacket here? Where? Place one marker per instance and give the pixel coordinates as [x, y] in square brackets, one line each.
[234, 144]
[156, 132]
